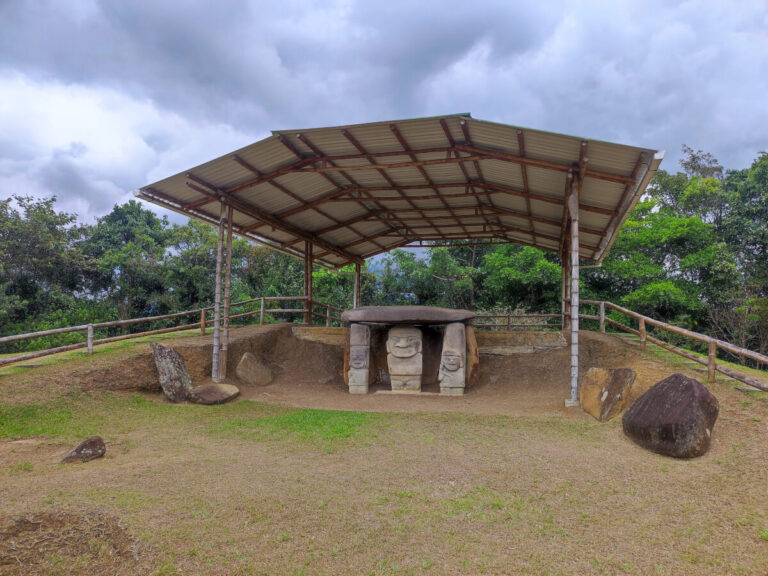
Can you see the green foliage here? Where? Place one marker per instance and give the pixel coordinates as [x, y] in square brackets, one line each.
[693, 252]
[326, 426]
[34, 420]
[523, 277]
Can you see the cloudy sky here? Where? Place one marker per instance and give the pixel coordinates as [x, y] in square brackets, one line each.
[98, 98]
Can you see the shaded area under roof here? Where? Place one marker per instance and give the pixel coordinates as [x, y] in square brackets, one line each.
[360, 190]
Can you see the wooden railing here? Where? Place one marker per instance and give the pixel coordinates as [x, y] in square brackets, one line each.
[307, 308]
[713, 344]
[332, 314]
[511, 321]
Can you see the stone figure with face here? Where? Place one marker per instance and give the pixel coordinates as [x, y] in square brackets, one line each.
[404, 342]
[451, 374]
[404, 358]
[358, 357]
[359, 353]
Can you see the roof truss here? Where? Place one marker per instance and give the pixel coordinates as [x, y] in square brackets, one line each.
[357, 191]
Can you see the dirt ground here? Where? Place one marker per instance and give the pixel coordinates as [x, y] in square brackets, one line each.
[504, 480]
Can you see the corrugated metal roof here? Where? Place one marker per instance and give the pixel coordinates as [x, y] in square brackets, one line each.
[355, 191]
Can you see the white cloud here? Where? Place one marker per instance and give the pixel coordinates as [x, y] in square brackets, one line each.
[91, 146]
[103, 97]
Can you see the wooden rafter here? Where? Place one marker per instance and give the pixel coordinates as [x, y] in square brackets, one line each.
[526, 189]
[474, 154]
[491, 189]
[374, 164]
[435, 206]
[641, 159]
[303, 202]
[307, 142]
[270, 219]
[421, 169]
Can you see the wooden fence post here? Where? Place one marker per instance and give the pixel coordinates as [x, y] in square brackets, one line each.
[261, 312]
[202, 322]
[327, 315]
[90, 338]
[602, 317]
[642, 334]
[712, 361]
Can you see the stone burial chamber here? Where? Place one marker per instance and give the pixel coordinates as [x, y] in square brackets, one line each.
[409, 348]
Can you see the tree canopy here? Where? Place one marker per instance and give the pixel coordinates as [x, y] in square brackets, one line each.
[694, 252]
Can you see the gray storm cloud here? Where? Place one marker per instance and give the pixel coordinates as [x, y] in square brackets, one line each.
[150, 88]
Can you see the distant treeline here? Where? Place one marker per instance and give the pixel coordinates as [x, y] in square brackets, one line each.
[694, 253]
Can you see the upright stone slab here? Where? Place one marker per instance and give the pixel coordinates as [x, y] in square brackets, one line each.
[452, 376]
[604, 392]
[473, 358]
[404, 358]
[674, 418]
[358, 375]
[172, 373]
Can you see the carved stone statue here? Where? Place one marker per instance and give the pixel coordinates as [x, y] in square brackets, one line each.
[452, 375]
[404, 357]
[359, 354]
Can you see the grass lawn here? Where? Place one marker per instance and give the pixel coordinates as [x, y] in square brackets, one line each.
[251, 488]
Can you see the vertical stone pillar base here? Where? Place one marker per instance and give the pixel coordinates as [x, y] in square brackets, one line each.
[358, 373]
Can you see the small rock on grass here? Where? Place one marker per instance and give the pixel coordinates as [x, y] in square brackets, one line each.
[87, 450]
[214, 393]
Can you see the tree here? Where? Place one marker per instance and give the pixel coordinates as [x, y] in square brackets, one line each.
[128, 247]
[41, 265]
[521, 276]
[191, 265]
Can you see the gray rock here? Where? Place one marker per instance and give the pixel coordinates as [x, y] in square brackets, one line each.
[87, 450]
[674, 418]
[172, 373]
[251, 371]
[214, 394]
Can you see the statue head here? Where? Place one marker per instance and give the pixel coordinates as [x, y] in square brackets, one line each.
[404, 341]
[454, 347]
[358, 357]
[452, 361]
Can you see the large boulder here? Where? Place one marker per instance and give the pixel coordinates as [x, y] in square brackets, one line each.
[675, 418]
[214, 393]
[604, 392]
[251, 371]
[172, 373]
[89, 449]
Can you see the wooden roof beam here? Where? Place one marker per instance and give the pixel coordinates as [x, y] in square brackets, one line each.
[309, 144]
[298, 198]
[495, 188]
[373, 164]
[524, 169]
[270, 219]
[344, 224]
[421, 169]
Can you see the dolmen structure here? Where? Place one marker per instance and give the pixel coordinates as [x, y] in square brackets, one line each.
[408, 347]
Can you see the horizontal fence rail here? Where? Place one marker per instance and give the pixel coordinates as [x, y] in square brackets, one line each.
[713, 344]
[330, 314]
[512, 321]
